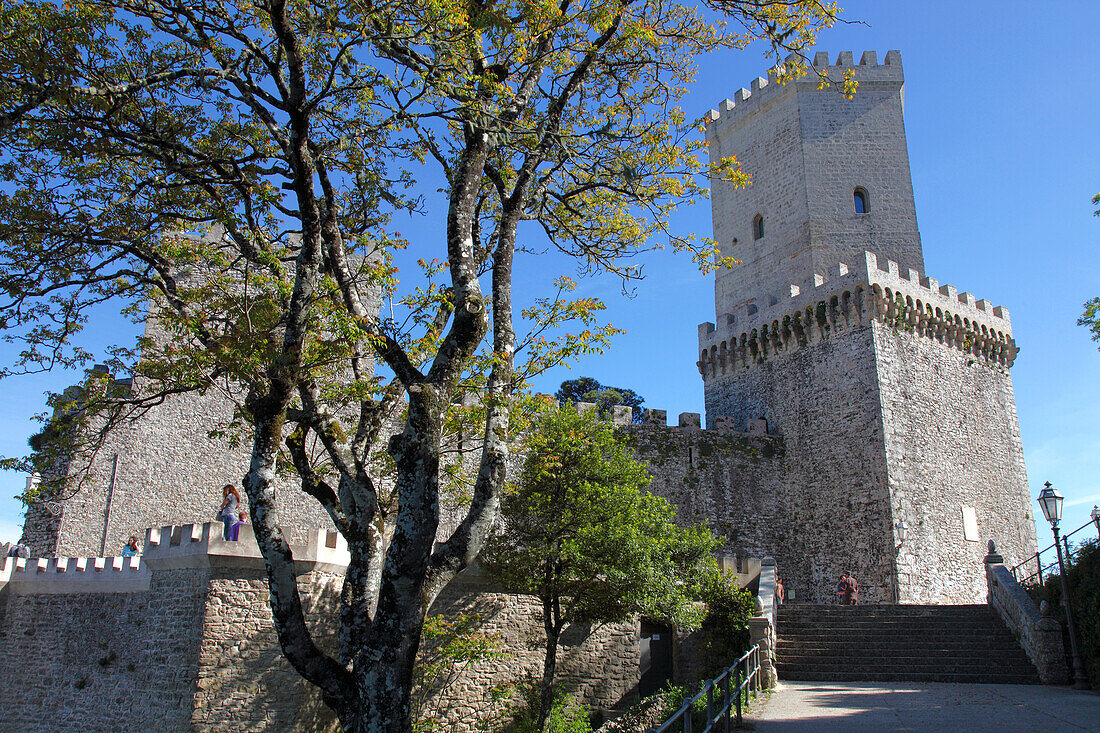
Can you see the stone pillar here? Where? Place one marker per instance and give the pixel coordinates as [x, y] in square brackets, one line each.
[762, 624]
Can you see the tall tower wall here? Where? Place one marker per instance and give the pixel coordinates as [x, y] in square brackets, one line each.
[807, 151]
[955, 457]
[831, 493]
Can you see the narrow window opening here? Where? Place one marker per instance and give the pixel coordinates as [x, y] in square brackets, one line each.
[691, 457]
[861, 201]
[758, 227]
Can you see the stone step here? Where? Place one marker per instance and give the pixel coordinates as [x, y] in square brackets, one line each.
[882, 628]
[1001, 678]
[896, 643]
[792, 647]
[913, 660]
[900, 664]
[846, 634]
[885, 609]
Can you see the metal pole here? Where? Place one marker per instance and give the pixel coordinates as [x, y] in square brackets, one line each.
[738, 693]
[107, 509]
[729, 702]
[1080, 682]
[1039, 566]
[710, 707]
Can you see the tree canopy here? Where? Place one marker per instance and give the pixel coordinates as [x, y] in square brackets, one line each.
[580, 533]
[587, 389]
[237, 167]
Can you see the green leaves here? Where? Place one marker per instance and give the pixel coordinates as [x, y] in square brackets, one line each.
[580, 528]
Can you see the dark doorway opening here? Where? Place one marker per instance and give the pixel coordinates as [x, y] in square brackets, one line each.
[655, 645]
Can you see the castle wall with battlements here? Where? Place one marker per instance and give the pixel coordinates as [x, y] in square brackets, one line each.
[953, 449]
[796, 495]
[895, 394]
[182, 639]
[163, 467]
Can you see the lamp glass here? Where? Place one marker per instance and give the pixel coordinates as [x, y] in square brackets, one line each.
[1095, 514]
[1050, 500]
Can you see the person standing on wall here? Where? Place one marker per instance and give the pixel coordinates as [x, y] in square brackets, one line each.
[235, 530]
[131, 549]
[231, 499]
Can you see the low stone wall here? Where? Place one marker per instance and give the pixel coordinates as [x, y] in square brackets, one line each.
[1039, 635]
[182, 639]
[598, 664]
[762, 626]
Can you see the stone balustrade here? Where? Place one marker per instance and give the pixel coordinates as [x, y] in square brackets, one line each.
[1040, 635]
[762, 626]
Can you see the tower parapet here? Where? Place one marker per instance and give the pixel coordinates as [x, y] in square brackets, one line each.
[762, 89]
[850, 297]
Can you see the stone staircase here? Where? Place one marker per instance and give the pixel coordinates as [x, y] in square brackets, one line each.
[904, 643]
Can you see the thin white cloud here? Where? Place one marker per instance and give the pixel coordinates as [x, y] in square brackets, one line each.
[1090, 499]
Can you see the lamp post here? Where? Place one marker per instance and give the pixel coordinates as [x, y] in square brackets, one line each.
[1050, 501]
[1096, 518]
[899, 530]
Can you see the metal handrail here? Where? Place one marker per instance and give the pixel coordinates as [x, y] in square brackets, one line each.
[746, 674]
[1037, 557]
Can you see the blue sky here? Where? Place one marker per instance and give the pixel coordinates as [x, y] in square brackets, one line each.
[1002, 103]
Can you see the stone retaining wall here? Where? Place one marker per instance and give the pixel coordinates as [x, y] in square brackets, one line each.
[1039, 635]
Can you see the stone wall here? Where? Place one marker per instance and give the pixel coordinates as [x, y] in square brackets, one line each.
[597, 663]
[822, 506]
[182, 639]
[90, 661]
[952, 447]
[243, 682]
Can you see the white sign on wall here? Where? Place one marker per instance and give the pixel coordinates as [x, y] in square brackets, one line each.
[970, 524]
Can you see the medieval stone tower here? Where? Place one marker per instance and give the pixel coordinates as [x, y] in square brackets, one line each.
[892, 394]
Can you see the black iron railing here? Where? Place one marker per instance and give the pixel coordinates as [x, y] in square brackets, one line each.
[725, 696]
[1031, 570]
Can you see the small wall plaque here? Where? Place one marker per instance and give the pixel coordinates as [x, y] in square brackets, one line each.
[970, 524]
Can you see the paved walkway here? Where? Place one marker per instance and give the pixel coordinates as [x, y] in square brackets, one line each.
[858, 707]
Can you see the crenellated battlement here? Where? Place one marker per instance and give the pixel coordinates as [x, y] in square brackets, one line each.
[173, 547]
[201, 545]
[74, 575]
[845, 298]
[686, 421]
[761, 89]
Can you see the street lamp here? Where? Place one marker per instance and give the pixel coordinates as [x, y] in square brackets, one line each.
[1096, 518]
[1050, 501]
[900, 530]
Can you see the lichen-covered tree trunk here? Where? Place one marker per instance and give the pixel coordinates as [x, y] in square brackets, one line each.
[551, 614]
[384, 664]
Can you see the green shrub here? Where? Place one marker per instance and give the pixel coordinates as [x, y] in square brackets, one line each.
[726, 624]
[1083, 576]
[566, 716]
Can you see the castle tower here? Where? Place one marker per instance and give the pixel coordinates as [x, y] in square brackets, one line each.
[892, 394]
